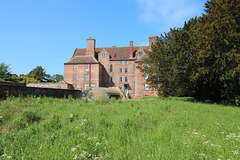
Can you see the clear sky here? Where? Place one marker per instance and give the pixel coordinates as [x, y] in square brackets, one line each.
[46, 32]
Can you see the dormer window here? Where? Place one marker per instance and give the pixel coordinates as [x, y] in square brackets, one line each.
[103, 54]
[140, 53]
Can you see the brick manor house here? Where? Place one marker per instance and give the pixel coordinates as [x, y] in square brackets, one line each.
[109, 67]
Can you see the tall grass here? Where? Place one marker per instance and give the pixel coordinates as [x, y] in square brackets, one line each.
[149, 128]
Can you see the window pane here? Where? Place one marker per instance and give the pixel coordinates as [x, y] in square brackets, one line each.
[126, 70]
[133, 66]
[120, 70]
[146, 76]
[146, 87]
[86, 77]
[126, 79]
[103, 54]
[75, 67]
[110, 79]
[120, 79]
[110, 67]
[86, 86]
[126, 62]
[120, 62]
[74, 77]
[92, 85]
[140, 53]
[86, 67]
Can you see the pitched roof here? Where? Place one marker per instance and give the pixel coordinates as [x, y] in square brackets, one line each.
[82, 59]
[114, 52]
[142, 58]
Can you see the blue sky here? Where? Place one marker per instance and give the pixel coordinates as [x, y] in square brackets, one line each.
[46, 32]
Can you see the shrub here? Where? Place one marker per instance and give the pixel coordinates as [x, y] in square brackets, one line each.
[30, 116]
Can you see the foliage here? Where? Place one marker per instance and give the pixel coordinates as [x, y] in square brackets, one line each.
[202, 58]
[149, 128]
[26, 79]
[56, 78]
[5, 73]
[40, 74]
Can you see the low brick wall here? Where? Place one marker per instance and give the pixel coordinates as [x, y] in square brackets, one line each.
[9, 90]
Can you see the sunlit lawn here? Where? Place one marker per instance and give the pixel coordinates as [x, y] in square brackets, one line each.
[150, 128]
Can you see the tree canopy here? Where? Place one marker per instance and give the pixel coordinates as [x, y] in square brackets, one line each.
[202, 58]
[39, 74]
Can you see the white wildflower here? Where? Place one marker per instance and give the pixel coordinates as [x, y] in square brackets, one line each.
[225, 139]
[94, 137]
[148, 156]
[218, 146]
[195, 133]
[204, 135]
[202, 154]
[98, 144]
[206, 142]
[220, 156]
[77, 146]
[89, 138]
[8, 157]
[1, 117]
[222, 132]
[71, 116]
[235, 152]
[75, 157]
[212, 145]
[73, 149]
[202, 129]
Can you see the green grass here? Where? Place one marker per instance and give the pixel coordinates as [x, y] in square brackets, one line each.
[149, 128]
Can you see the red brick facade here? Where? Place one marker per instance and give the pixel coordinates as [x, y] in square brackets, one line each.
[109, 67]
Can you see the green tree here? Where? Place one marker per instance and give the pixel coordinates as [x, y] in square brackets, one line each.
[56, 78]
[218, 56]
[26, 79]
[5, 73]
[202, 59]
[39, 74]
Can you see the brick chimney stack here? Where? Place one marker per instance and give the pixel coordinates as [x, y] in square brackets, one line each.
[152, 40]
[131, 49]
[90, 47]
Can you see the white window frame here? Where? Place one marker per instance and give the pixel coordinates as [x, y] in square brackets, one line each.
[126, 62]
[125, 79]
[126, 71]
[120, 70]
[110, 79]
[74, 77]
[146, 87]
[103, 54]
[133, 85]
[86, 86]
[120, 62]
[120, 79]
[86, 77]
[133, 66]
[110, 66]
[86, 67]
[75, 67]
[146, 76]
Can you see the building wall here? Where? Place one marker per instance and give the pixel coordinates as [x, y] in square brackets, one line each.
[140, 85]
[10, 90]
[79, 83]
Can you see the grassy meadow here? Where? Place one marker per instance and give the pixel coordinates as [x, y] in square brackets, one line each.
[148, 128]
